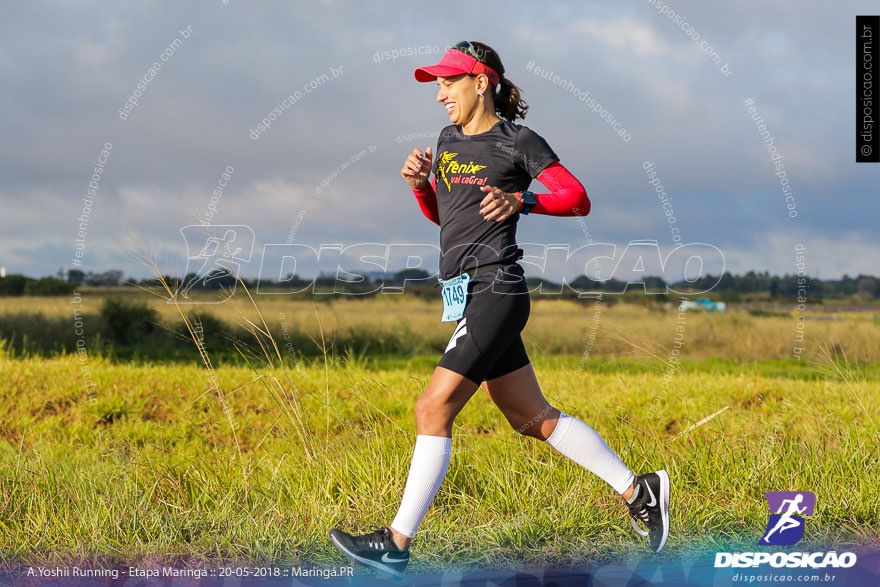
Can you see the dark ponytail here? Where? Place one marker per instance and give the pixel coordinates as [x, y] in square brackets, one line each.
[509, 104]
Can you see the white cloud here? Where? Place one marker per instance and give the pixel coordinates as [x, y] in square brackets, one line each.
[628, 36]
[852, 253]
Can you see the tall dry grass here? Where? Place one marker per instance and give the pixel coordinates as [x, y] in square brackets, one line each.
[405, 324]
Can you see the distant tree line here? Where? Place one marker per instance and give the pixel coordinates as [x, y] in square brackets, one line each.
[729, 287]
[788, 286]
[60, 285]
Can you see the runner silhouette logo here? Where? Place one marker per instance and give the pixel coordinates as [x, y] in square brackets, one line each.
[787, 510]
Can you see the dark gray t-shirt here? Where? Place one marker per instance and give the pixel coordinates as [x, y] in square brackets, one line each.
[507, 156]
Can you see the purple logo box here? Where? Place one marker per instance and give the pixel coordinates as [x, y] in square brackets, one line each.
[776, 498]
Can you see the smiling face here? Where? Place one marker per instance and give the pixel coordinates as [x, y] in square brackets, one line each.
[459, 95]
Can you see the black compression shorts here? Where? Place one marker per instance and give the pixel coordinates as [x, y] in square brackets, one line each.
[486, 343]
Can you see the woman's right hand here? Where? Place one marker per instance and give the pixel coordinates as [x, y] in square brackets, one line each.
[417, 168]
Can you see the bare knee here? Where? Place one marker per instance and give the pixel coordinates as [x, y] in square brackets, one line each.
[433, 417]
[423, 410]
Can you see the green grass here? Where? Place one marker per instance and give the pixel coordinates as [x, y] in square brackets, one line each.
[152, 466]
[781, 368]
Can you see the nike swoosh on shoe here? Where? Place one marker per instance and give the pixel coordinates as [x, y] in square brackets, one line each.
[653, 501]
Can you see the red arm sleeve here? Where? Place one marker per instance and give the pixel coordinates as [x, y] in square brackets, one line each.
[567, 196]
[427, 197]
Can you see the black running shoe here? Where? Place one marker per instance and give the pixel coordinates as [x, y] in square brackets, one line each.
[651, 507]
[376, 550]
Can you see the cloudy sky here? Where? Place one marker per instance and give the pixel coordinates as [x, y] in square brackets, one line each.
[325, 171]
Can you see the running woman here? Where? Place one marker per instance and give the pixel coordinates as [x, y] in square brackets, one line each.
[484, 165]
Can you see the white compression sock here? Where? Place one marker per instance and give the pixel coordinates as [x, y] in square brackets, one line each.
[583, 445]
[430, 461]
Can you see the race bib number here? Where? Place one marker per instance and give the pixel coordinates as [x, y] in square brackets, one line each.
[454, 297]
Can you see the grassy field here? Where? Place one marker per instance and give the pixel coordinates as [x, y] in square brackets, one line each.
[107, 461]
[155, 465]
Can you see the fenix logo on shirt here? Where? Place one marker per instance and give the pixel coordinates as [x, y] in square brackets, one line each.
[448, 165]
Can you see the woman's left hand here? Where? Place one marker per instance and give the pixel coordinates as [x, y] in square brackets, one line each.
[498, 205]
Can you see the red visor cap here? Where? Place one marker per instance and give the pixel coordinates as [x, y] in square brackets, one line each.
[456, 63]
